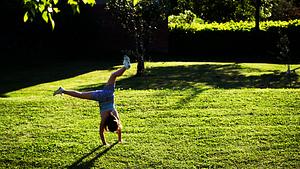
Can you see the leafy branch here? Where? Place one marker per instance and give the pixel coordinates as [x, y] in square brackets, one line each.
[46, 9]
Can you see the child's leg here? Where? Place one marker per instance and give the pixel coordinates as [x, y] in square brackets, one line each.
[88, 95]
[114, 75]
[119, 72]
[81, 95]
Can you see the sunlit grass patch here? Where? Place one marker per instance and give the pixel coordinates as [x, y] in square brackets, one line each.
[179, 115]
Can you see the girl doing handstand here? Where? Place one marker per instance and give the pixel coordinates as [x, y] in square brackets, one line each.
[110, 119]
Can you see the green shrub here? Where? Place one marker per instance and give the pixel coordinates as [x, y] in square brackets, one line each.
[187, 17]
[230, 26]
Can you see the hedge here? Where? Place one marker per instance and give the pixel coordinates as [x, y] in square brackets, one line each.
[244, 26]
[234, 41]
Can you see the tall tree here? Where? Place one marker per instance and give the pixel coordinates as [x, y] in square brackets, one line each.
[140, 18]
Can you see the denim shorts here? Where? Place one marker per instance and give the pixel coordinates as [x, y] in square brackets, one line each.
[105, 97]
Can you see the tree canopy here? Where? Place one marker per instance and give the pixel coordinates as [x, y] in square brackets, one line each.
[46, 9]
[236, 10]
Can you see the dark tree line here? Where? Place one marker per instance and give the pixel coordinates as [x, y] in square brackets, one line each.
[236, 10]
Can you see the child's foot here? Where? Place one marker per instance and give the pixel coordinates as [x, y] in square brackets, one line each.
[58, 91]
[126, 62]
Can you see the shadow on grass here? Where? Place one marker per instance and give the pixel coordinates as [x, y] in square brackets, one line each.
[226, 76]
[16, 77]
[83, 163]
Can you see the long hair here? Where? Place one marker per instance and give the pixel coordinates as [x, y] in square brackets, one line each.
[112, 123]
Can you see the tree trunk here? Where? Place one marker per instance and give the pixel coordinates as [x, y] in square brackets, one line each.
[140, 66]
[257, 14]
[140, 51]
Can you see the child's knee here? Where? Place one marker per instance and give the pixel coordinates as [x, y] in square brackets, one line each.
[113, 74]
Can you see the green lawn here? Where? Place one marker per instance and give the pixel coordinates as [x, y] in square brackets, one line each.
[180, 115]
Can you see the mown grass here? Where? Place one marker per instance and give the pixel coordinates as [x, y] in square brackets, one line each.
[180, 115]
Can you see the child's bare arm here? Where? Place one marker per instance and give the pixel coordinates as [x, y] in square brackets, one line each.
[101, 132]
[120, 135]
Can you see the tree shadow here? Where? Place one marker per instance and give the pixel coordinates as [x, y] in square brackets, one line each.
[226, 76]
[197, 77]
[15, 77]
[81, 163]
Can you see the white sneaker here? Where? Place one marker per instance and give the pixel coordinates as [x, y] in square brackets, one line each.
[58, 91]
[126, 62]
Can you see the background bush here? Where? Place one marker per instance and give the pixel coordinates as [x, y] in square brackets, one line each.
[180, 23]
[233, 41]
